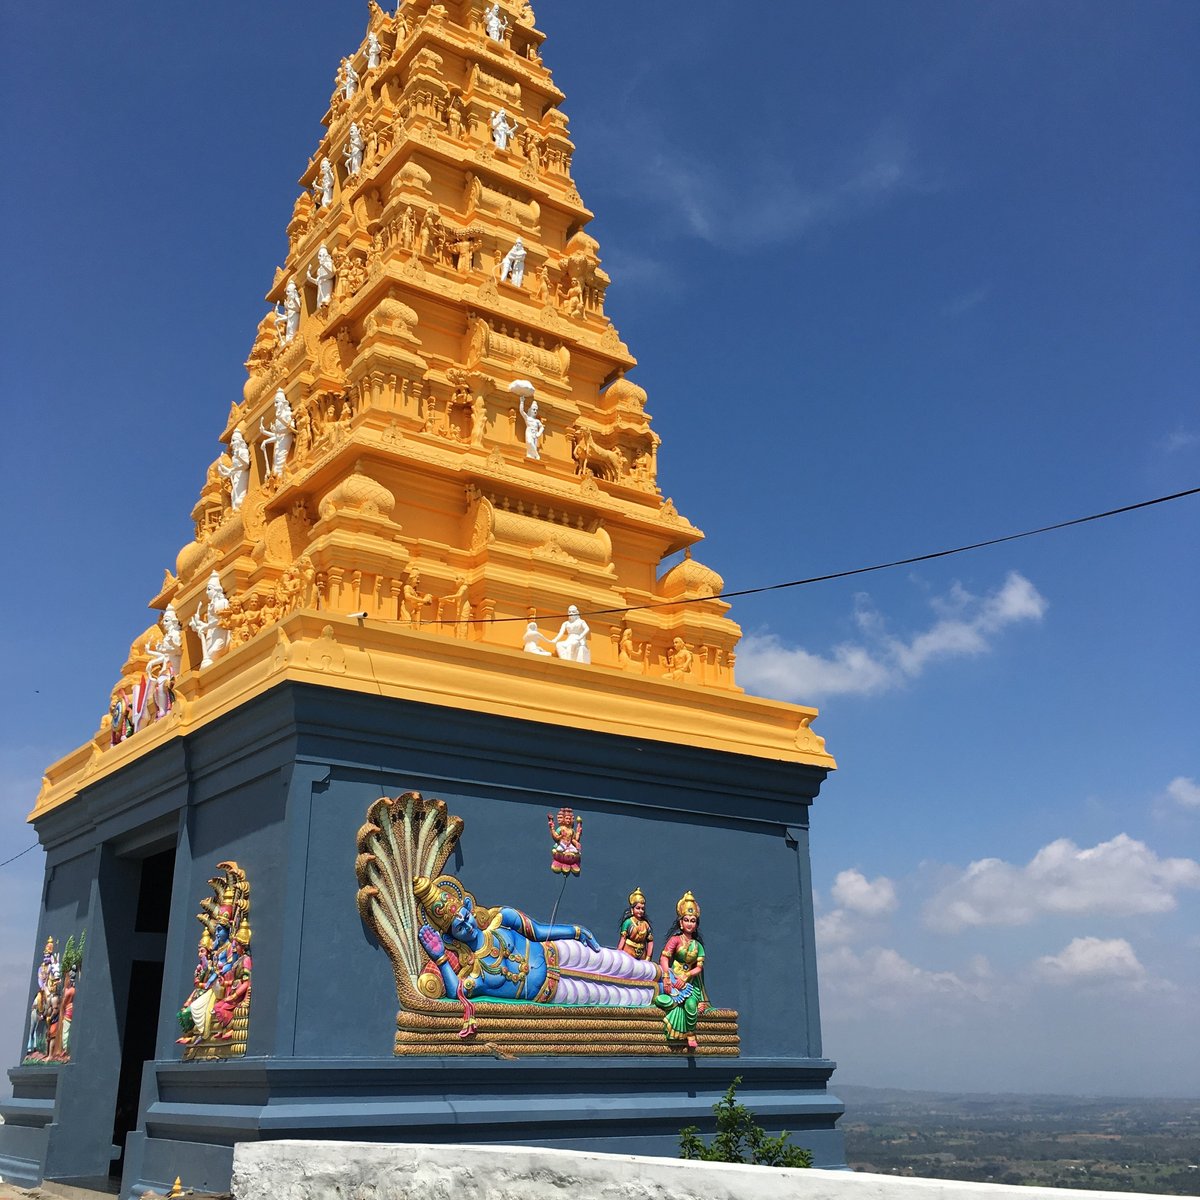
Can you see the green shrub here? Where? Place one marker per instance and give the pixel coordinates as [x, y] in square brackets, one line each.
[740, 1140]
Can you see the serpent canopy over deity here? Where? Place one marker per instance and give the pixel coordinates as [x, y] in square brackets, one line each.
[473, 978]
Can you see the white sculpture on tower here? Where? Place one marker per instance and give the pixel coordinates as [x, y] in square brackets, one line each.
[279, 438]
[353, 154]
[373, 51]
[323, 188]
[496, 23]
[238, 471]
[533, 639]
[214, 638]
[287, 322]
[572, 638]
[502, 129]
[512, 265]
[349, 79]
[326, 273]
[166, 655]
[535, 427]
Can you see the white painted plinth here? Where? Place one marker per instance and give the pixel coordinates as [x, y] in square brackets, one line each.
[370, 1171]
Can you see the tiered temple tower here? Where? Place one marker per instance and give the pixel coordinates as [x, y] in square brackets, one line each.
[437, 444]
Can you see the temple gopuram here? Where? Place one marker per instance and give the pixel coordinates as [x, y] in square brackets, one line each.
[428, 808]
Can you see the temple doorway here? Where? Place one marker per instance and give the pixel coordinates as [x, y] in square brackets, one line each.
[139, 1036]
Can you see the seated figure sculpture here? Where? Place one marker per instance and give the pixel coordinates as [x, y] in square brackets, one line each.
[571, 640]
[222, 981]
[502, 954]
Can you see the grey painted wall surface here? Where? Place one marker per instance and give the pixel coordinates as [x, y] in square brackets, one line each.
[282, 788]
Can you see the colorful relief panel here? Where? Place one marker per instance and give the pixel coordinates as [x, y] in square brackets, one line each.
[215, 1018]
[53, 1008]
[482, 978]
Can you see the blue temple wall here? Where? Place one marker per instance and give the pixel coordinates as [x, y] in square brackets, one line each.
[282, 787]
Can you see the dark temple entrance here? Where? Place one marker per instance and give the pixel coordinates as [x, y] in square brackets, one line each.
[140, 1027]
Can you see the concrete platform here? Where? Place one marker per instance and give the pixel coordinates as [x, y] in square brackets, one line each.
[350, 1171]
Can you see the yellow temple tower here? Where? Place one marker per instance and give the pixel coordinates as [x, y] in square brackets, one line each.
[438, 285]
[425, 598]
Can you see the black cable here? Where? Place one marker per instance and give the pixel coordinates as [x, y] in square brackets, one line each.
[21, 855]
[791, 583]
[899, 562]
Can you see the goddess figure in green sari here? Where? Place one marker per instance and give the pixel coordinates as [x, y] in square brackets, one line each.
[683, 998]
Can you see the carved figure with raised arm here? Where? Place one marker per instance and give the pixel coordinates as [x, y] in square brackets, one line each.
[238, 471]
[287, 323]
[326, 273]
[496, 23]
[454, 120]
[512, 265]
[503, 130]
[326, 180]
[353, 154]
[535, 427]
[572, 638]
[629, 655]
[206, 622]
[279, 437]
[374, 50]
[349, 79]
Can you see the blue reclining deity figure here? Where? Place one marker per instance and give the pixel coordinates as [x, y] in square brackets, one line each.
[501, 954]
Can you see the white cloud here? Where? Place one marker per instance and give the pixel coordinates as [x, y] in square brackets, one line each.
[870, 897]
[763, 201]
[1092, 960]
[1122, 877]
[836, 928]
[961, 304]
[1180, 439]
[1184, 791]
[882, 978]
[965, 627]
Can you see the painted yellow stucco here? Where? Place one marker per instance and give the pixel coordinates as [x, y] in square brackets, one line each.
[408, 493]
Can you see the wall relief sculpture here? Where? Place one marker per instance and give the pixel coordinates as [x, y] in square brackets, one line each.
[482, 978]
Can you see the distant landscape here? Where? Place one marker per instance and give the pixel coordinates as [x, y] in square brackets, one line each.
[1052, 1141]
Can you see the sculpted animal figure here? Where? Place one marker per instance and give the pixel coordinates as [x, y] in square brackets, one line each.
[594, 459]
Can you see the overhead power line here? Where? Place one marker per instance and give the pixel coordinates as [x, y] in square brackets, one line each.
[793, 583]
[21, 855]
[884, 566]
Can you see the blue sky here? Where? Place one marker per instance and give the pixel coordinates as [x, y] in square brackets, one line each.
[900, 276]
